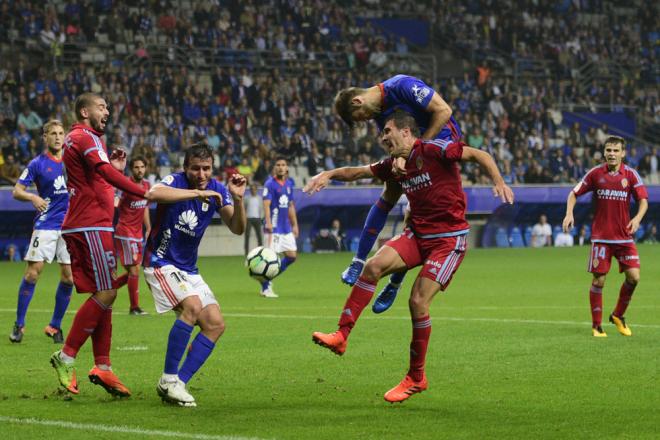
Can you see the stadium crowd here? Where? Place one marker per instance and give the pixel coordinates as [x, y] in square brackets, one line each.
[249, 116]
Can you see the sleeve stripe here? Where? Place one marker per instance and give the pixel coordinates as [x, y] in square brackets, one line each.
[89, 150]
[442, 143]
[639, 178]
[97, 142]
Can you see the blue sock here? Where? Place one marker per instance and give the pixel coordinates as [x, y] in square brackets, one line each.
[200, 350]
[372, 227]
[176, 346]
[25, 292]
[265, 285]
[286, 262]
[62, 298]
[397, 278]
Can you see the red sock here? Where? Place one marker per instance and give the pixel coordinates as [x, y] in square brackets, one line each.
[84, 324]
[420, 341]
[102, 338]
[133, 292]
[596, 301]
[359, 298]
[625, 294]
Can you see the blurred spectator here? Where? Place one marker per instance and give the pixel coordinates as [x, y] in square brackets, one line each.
[254, 212]
[651, 234]
[9, 171]
[338, 233]
[12, 253]
[542, 233]
[564, 239]
[583, 237]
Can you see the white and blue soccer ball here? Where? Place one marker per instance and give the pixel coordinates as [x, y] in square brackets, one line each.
[263, 263]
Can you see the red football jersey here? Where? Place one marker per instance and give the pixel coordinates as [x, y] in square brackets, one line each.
[611, 195]
[131, 213]
[433, 186]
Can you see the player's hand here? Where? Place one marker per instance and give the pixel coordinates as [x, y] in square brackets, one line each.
[236, 185]
[504, 192]
[399, 166]
[207, 195]
[633, 225]
[39, 204]
[268, 227]
[567, 224]
[118, 159]
[316, 183]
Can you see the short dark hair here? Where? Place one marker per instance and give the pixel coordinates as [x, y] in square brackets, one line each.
[136, 159]
[84, 100]
[279, 158]
[200, 150]
[611, 139]
[343, 103]
[403, 120]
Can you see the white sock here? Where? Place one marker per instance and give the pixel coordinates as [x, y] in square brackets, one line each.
[104, 367]
[66, 358]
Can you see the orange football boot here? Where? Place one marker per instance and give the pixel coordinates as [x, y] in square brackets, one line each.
[335, 342]
[108, 380]
[405, 389]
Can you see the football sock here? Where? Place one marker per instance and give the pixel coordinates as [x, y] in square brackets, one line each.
[25, 292]
[359, 298]
[286, 262]
[200, 350]
[176, 346]
[421, 333]
[62, 299]
[102, 338]
[84, 323]
[372, 227]
[133, 290]
[397, 278]
[596, 301]
[625, 294]
[265, 285]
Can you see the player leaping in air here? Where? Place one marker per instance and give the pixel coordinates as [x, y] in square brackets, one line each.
[613, 185]
[435, 238]
[433, 117]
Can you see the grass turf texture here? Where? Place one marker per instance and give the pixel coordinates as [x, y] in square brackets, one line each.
[511, 356]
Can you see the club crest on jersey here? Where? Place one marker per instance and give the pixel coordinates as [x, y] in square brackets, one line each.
[419, 163]
[596, 262]
[205, 206]
[624, 182]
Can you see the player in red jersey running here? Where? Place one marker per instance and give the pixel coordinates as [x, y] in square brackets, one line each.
[133, 213]
[87, 230]
[435, 239]
[612, 184]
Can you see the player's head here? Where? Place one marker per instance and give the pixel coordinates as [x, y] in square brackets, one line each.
[91, 109]
[198, 165]
[399, 133]
[352, 105]
[614, 150]
[138, 167]
[54, 135]
[281, 167]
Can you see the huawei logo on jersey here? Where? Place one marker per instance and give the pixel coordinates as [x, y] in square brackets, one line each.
[283, 201]
[187, 222]
[60, 185]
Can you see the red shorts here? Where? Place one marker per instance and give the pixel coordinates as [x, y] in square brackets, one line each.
[602, 253]
[129, 251]
[440, 257]
[93, 260]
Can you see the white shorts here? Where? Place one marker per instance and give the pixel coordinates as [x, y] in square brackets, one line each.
[45, 245]
[282, 242]
[169, 286]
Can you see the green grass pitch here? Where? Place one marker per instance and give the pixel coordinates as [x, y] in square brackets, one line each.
[511, 356]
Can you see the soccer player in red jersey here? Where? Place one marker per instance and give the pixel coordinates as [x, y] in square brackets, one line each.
[435, 239]
[87, 230]
[133, 213]
[613, 184]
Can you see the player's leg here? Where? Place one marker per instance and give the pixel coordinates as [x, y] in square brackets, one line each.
[246, 239]
[134, 290]
[62, 299]
[25, 293]
[373, 225]
[388, 259]
[599, 265]
[629, 264]
[212, 326]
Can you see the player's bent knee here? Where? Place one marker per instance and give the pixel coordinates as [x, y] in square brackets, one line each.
[372, 270]
[418, 304]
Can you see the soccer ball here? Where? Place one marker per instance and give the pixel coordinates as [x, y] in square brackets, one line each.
[263, 263]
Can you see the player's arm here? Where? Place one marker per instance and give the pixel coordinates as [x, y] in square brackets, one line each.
[234, 215]
[293, 218]
[569, 222]
[440, 114]
[161, 193]
[344, 174]
[633, 224]
[20, 193]
[486, 161]
[268, 224]
[147, 222]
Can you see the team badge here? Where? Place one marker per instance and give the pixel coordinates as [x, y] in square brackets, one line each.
[596, 262]
[419, 163]
[205, 206]
[624, 182]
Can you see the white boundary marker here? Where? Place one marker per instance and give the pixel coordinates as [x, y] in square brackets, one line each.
[120, 429]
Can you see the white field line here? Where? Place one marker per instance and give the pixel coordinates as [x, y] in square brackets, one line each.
[120, 429]
[401, 318]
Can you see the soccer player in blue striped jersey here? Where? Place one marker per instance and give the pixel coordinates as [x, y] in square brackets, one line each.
[280, 220]
[434, 119]
[46, 172]
[187, 202]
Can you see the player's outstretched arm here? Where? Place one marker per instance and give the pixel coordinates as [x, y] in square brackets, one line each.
[486, 161]
[569, 222]
[20, 193]
[633, 224]
[160, 193]
[344, 174]
[234, 215]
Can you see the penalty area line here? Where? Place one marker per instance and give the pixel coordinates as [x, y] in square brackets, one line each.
[120, 429]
